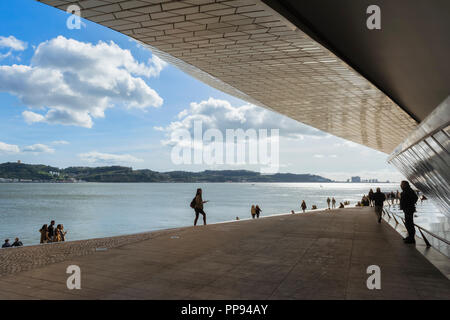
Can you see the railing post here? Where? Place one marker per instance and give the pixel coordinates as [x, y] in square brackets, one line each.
[424, 238]
[393, 215]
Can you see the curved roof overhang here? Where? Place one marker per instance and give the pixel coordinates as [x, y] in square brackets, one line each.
[308, 60]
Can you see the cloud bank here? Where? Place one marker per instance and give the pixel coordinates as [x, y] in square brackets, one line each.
[75, 82]
[108, 158]
[35, 148]
[221, 115]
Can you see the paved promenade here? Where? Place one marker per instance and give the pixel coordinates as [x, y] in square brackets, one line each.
[317, 255]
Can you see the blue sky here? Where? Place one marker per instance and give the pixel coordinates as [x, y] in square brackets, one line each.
[57, 111]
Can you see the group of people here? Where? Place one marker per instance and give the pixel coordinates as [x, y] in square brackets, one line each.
[407, 200]
[51, 234]
[255, 211]
[333, 203]
[16, 243]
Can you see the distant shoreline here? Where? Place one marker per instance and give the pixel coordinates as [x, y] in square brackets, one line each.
[180, 182]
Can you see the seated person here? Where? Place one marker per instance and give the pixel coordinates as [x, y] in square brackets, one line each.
[6, 244]
[17, 243]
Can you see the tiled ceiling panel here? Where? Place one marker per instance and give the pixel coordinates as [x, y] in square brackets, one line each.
[248, 50]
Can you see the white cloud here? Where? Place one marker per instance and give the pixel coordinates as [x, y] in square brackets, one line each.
[12, 43]
[38, 148]
[31, 117]
[221, 115]
[318, 156]
[349, 144]
[77, 81]
[60, 142]
[107, 158]
[8, 148]
[5, 55]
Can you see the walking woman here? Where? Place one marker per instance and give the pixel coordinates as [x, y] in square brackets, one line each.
[63, 233]
[59, 233]
[253, 211]
[44, 234]
[198, 206]
[303, 206]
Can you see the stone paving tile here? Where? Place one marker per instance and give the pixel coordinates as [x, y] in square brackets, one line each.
[282, 257]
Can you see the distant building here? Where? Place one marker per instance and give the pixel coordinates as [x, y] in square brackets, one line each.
[356, 179]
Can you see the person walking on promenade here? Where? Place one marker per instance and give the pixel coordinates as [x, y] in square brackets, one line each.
[258, 211]
[392, 197]
[333, 203]
[378, 199]
[328, 202]
[198, 206]
[397, 197]
[17, 243]
[303, 206]
[63, 233]
[51, 231]
[408, 199]
[371, 197]
[58, 236]
[253, 211]
[6, 244]
[44, 234]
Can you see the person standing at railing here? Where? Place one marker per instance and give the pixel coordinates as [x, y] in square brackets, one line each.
[378, 199]
[408, 199]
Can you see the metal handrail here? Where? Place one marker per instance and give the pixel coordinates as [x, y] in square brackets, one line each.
[387, 211]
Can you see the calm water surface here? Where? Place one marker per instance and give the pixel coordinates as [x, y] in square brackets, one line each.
[90, 210]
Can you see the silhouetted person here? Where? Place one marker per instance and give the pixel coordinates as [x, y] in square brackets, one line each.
[17, 243]
[44, 234]
[370, 195]
[341, 206]
[6, 244]
[51, 231]
[258, 211]
[365, 201]
[303, 206]
[408, 199]
[378, 199]
[328, 202]
[333, 203]
[198, 206]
